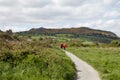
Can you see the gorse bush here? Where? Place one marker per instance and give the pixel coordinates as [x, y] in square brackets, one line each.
[43, 66]
[115, 43]
[33, 60]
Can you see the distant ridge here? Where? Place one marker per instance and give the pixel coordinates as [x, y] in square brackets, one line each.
[77, 32]
[81, 30]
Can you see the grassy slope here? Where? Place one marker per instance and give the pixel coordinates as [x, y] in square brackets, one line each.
[51, 64]
[105, 60]
[30, 61]
[33, 60]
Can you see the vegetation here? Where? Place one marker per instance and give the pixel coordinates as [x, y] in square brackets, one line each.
[29, 56]
[105, 60]
[24, 59]
[83, 33]
[115, 43]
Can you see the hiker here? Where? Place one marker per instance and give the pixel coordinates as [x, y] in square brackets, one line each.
[64, 46]
[61, 45]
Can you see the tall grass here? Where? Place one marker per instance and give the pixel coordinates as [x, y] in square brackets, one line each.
[34, 60]
[49, 64]
[105, 60]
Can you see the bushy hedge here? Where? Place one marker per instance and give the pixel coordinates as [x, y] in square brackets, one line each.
[33, 60]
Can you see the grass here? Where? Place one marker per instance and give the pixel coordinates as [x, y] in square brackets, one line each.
[21, 59]
[105, 60]
[49, 64]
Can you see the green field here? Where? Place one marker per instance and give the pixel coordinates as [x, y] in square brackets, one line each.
[105, 60]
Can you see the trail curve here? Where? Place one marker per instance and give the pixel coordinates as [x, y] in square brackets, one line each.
[84, 70]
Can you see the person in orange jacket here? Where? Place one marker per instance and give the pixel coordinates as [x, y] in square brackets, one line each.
[64, 46]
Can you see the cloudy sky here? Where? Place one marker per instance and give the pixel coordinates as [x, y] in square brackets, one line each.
[20, 15]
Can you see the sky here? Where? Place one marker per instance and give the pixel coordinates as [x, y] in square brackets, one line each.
[21, 15]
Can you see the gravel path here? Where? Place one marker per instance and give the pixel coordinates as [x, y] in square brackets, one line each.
[84, 70]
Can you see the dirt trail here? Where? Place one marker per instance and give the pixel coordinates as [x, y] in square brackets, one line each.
[84, 70]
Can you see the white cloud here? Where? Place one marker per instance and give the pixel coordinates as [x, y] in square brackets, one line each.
[36, 3]
[88, 11]
[101, 14]
[14, 28]
[110, 2]
[112, 14]
[9, 3]
[109, 25]
[69, 2]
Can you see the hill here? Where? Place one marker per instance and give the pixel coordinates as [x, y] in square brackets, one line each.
[82, 32]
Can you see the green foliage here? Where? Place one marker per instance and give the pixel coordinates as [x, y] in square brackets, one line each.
[115, 43]
[105, 60]
[81, 43]
[44, 64]
[33, 60]
[6, 36]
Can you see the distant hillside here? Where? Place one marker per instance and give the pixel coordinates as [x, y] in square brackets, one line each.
[104, 36]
